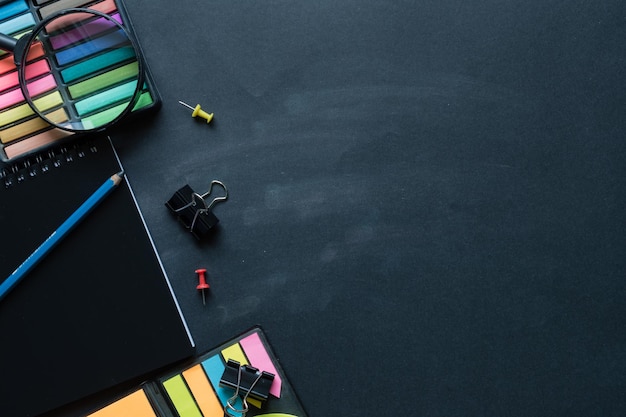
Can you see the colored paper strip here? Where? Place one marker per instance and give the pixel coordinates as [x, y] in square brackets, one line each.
[84, 32]
[35, 88]
[103, 117]
[16, 113]
[181, 397]
[145, 99]
[92, 47]
[235, 353]
[9, 81]
[61, 5]
[135, 405]
[202, 391]
[107, 7]
[23, 111]
[89, 66]
[106, 98]
[105, 80]
[11, 98]
[13, 8]
[214, 368]
[33, 70]
[259, 358]
[36, 68]
[22, 22]
[32, 143]
[41, 85]
[7, 64]
[107, 116]
[31, 126]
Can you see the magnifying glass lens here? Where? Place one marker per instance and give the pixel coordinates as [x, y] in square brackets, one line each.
[89, 76]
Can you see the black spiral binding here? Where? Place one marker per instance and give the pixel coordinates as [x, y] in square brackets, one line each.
[42, 163]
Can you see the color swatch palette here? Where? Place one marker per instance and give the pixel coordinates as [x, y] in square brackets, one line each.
[195, 392]
[93, 75]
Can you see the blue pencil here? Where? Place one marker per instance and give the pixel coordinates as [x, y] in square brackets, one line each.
[56, 236]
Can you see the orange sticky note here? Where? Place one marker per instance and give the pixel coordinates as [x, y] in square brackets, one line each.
[202, 391]
[133, 405]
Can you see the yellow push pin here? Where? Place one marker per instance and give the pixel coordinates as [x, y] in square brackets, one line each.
[198, 112]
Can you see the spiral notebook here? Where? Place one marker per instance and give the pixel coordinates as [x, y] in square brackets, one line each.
[93, 313]
[196, 389]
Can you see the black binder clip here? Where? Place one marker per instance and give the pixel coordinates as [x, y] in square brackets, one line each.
[193, 211]
[247, 381]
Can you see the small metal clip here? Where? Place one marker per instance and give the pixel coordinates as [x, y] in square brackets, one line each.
[192, 209]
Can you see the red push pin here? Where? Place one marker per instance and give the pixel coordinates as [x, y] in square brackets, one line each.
[202, 285]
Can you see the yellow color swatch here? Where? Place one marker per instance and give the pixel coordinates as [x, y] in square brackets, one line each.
[133, 405]
[31, 126]
[20, 112]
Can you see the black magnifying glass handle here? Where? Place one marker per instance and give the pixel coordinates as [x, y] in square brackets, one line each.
[16, 46]
[7, 43]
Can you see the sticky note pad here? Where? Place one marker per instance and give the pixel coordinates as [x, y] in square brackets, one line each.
[202, 391]
[133, 405]
[181, 397]
[214, 368]
[260, 359]
[235, 353]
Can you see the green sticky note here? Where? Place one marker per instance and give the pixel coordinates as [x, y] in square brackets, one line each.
[181, 397]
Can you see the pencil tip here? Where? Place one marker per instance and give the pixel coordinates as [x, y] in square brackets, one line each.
[117, 178]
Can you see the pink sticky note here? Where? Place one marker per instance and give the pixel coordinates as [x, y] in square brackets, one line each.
[260, 359]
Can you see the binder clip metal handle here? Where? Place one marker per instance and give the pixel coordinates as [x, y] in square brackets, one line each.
[193, 210]
[247, 381]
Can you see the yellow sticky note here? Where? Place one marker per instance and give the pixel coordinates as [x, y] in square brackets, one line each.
[133, 405]
[235, 353]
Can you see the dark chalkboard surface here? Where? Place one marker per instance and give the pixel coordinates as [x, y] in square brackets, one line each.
[426, 198]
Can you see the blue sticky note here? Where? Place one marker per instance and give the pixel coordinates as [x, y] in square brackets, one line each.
[214, 368]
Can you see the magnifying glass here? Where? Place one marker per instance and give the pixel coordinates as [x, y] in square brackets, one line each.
[78, 69]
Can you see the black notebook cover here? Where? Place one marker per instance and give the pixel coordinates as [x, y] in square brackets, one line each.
[98, 310]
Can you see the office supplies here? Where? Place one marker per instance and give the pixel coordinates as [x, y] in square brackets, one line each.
[202, 284]
[101, 79]
[56, 236]
[193, 211]
[245, 380]
[98, 62]
[93, 313]
[194, 389]
[198, 112]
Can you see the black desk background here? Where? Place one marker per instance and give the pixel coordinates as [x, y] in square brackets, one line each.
[426, 209]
